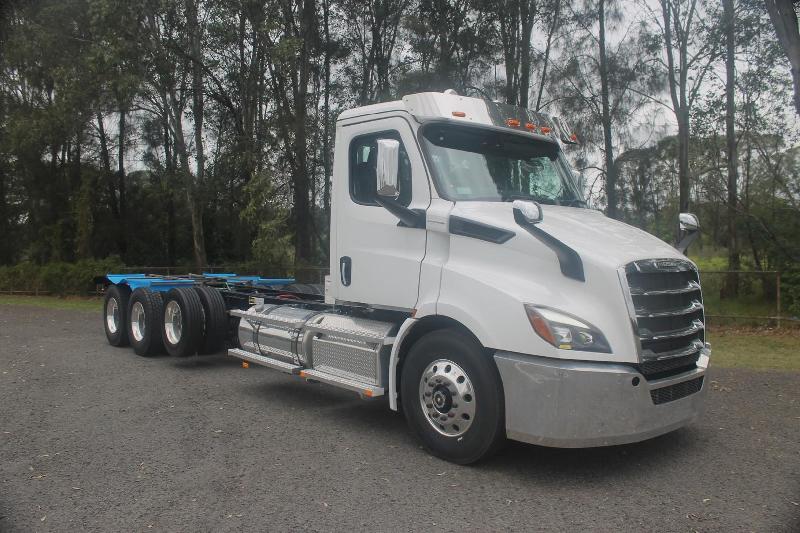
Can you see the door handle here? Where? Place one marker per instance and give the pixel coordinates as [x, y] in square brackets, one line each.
[345, 270]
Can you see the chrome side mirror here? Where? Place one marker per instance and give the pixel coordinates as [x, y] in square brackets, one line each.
[529, 211]
[688, 222]
[690, 229]
[388, 161]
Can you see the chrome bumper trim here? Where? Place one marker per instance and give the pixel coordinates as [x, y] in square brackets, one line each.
[581, 404]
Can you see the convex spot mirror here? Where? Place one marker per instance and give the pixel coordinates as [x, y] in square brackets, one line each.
[387, 168]
[688, 222]
[529, 211]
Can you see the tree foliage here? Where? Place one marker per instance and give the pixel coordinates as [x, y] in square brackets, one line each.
[201, 131]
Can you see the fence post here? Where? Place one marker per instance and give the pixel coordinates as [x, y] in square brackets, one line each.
[778, 296]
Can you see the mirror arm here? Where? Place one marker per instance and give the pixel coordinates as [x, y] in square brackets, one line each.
[412, 218]
[686, 241]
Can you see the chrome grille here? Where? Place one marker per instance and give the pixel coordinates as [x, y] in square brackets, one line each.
[669, 319]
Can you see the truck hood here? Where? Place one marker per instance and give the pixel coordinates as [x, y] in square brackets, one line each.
[596, 238]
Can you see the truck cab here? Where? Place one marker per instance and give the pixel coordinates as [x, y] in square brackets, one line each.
[595, 327]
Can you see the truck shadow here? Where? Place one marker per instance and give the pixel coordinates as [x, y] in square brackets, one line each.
[202, 362]
[349, 413]
[528, 460]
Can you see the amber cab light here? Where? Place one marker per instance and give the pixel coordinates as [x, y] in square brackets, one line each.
[459, 114]
[514, 123]
[545, 130]
[540, 325]
[530, 126]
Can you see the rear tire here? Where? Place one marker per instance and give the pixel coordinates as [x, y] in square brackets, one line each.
[182, 322]
[215, 329]
[144, 322]
[452, 397]
[115, 314]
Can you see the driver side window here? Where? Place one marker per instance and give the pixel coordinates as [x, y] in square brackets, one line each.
[363, 166]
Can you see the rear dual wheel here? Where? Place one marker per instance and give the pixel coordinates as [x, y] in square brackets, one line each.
[195, 321]
[115, 314]
[144, 322]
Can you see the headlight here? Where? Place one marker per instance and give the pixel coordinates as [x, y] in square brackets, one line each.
[565, 331]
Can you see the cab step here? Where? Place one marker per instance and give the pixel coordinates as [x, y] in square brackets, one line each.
[364, 389]
[270, 362]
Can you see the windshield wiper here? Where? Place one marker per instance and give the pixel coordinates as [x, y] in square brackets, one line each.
[523, 196]
[575, 202]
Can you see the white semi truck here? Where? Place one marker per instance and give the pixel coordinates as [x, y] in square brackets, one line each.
[469, 283]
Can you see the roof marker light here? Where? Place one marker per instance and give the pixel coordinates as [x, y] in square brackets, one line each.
[459, 114]
[514, 123]
[530, 126]
[545, 130]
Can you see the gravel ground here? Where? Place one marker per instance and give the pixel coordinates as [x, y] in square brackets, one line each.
[96, 438]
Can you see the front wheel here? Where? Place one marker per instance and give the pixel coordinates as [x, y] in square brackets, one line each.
[452, 397]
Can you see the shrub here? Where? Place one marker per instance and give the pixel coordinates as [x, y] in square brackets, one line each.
[57, 277]
[790, 287]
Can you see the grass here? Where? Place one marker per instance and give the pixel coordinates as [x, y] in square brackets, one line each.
[51, 302]
[758, 349]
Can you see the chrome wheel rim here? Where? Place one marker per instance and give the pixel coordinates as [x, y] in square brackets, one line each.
[173, 322]
[137, 321]
[447, 398]
[112, 315]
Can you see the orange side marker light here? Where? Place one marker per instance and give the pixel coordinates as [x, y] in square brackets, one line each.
[459, 114]
[245, 364]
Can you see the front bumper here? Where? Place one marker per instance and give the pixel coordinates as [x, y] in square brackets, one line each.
[577, 404]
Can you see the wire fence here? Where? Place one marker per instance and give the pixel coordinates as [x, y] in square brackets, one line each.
[751, 298]
[745, 297]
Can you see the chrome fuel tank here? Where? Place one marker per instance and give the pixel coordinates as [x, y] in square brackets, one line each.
[348, 347]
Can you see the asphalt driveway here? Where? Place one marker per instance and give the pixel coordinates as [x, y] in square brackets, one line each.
[96, 438]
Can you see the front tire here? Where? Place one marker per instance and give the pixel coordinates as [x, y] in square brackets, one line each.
[452, 397]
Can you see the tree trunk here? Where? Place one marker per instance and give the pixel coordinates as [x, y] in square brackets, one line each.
[326, 112]
[732, 280]
[123, 203]
[683, 160]
[111, 189]
[784, 18]
[611, 171]
[543, 78]
[527, 16]
[302, 209]
[194, 186]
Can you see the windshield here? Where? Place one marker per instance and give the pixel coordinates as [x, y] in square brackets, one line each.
[480, 164]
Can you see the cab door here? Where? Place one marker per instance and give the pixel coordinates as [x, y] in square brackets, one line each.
[376, 259]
